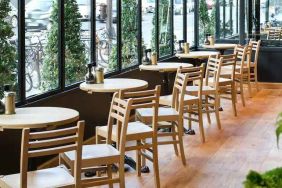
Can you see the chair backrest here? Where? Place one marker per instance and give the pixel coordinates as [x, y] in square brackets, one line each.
[256, 49]
[119, 115]
[52, 142]
[195, 75]
[144, 99]
[244, 54]
[229, 60]
[274, 35]
[213, 71]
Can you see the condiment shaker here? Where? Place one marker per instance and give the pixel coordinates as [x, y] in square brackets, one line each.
[99, 71]
[10, 100]
[154, 58]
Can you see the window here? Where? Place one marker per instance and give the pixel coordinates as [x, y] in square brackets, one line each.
[178, 20]
[190, 22]
[129, 20]
[77, 39]
[8, 45]
[106, 35]
[41, 46]
[165, 40]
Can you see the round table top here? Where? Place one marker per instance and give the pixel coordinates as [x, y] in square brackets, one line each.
[38, 117]
[218, 46]
[112, 85]
[165, 67]
[197, 54]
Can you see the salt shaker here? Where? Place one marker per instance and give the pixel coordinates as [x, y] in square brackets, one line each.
[10, 100]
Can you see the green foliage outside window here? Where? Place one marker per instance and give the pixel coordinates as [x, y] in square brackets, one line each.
[75, 57]
[7, 50]
[206, 21]
[129, 36]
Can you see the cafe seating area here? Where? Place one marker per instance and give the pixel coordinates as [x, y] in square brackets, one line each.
[124, 102]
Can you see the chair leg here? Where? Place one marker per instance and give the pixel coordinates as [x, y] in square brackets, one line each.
[138, 159]
[233, 98]
[143, 159]
[249, 84]
[242, 92]
[217, 111]
[109, 173]
[207, 109]
[180, 139]
[174, 139]
[200, 116]
[121, 172]
[156, 162]
[256, 78]
[189, 117]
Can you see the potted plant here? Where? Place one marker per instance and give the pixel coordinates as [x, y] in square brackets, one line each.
[269, 179]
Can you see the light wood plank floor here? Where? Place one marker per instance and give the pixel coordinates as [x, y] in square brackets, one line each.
[245, 142]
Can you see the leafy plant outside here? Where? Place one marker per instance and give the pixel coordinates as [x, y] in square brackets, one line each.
[8, 64]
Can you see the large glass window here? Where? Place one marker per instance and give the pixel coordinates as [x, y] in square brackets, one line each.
[190, 22]
[8, 44]
[129, 20]
[165, 41]
[106, 34]
[41, 46]
[206, 19]
[77, 39]
[178, 20]
[148, 25]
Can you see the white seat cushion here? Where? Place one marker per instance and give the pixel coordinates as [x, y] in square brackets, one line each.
[167, 99]
[51, 177]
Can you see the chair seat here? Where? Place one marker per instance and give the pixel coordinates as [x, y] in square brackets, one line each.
[193, 90]
[51, 177]
[135, 130]
[93, 155]
[164, 114]
[167, 100]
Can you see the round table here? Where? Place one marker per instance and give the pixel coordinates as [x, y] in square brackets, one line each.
[165, 68]
[38, 117]
[112, 85]
[197, 55]
[220, 47]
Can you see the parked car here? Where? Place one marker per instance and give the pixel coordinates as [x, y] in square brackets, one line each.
[37, 14]
[148, 6]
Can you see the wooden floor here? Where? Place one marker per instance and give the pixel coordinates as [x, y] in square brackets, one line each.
[245, 142]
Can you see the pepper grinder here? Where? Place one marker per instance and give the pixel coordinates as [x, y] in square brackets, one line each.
[186, 48]
[154, 58]
[146, 60]
[90, 77]
[180, 49]
[10, 100]
[99, 72]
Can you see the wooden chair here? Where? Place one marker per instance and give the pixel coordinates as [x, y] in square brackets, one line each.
[103, 156]
[173, 115]
[137, 131]
[274, 35]
[254, 64]
[227, 86]
[211, 88]
[193, 104]
[47, 143]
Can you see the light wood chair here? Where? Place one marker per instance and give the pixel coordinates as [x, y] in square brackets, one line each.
[173, 115]
[254, 64]
[47, 143]
[274, 35]
[193, 104]
[138, 133]
[103, 156]
[211, 88]
[227, 86]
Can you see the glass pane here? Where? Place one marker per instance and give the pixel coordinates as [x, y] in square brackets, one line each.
[164, 28]
[178, 20]
[41, 46]
[129, 34]
[148, 26]
[77, 39]
[206, 19]
[190, 22]
[8, 44]
[106, 34]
